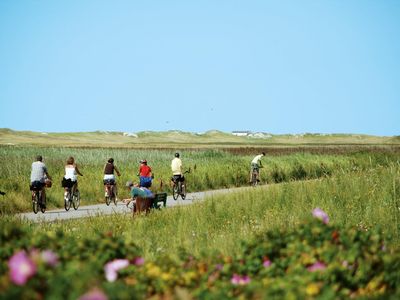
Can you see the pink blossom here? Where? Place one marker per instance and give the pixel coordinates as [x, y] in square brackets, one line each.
[219, 267]
[111, 268]
[49, 257]
[138, 261]
[240, 280]
[318, 266]
[245, 280]
[94, 294]
[21, 268]
[320, 214]
[267, 263]
[235, 279]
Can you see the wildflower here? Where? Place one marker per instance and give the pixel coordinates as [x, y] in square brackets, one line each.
[111, 268]
[318, 266]
[320, 214]
[267, 263]
[240, 280]
[49, 257]
[21, 268]
[94, 294]
[312, 289]
[138, 261]
[219, 267]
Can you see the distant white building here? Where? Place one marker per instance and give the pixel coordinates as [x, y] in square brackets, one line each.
[241, 133]
[131, 134]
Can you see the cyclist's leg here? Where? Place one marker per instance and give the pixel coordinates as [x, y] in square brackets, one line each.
[43, 195]
[74, 187]
[115, 189]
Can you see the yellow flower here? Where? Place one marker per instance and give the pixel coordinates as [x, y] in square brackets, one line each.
[166, 276]
[153, 271]
[312, 289]
[189, 276]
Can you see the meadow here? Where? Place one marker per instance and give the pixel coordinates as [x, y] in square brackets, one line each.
[210, 169]
[263, 242]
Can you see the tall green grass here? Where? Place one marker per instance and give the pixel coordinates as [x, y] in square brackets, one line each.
[211, 169]
[363, 199]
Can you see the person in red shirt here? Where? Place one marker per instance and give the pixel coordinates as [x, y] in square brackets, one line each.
[145, 174]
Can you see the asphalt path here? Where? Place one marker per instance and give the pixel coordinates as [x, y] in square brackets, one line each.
[102, 209]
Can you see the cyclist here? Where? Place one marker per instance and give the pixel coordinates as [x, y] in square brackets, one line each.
[256, 165]
[39, 175]
[70, 179]
[176, 167]
[145, 174]
[109, 169]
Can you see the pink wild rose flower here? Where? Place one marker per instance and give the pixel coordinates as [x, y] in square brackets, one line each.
[111, 268]
[21, 268]
[318, 266]
[320, 214]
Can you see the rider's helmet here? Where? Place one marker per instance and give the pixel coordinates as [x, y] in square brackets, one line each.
[176, 154]
[39, 158]
[111, 160]
[143, 161]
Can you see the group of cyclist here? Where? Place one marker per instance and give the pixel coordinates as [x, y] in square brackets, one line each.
[41, 178]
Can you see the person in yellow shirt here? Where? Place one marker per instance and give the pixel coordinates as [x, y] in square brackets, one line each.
[176, 167]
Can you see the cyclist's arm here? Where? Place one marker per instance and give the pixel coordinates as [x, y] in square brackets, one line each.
[77, 171]
[117, 171]
[48, 176]
[46, 173]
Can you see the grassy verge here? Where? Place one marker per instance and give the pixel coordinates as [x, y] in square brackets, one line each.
[362, 199]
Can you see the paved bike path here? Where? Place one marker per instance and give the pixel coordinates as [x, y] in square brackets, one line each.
[102, 209]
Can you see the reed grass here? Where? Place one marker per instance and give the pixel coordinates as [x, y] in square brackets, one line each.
[211, 169]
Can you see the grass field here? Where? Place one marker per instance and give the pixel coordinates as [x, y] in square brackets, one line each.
[362, 198]
[211, 169]
[254, 244]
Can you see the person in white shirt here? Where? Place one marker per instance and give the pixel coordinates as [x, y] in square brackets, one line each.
[176, 167]
[70, 179]
[256, 164]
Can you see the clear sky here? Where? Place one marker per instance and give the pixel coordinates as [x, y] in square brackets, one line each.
[272, 66]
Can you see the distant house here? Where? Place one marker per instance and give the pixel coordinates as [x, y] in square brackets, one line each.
[241, 133]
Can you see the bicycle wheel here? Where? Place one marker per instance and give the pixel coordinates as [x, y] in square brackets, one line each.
[175, 191]
[254, 179]
[76, 199]
[113, 195]
[35, 202]
[43, 203]
[183, 191]
[67, 204]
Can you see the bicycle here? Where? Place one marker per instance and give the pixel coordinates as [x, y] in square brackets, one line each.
[37, 201]
[179, 188]
[73, 198]
[39, 196]
[110, 194]
[255, 176]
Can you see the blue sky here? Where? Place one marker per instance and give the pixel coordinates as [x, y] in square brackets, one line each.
[271, 66]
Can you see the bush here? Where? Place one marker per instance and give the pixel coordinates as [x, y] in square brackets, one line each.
[316, 260]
